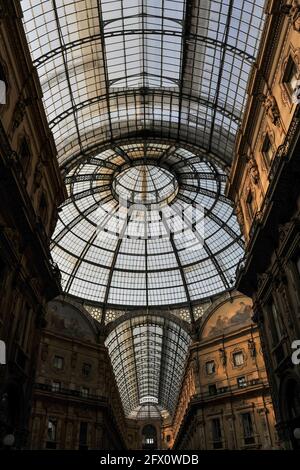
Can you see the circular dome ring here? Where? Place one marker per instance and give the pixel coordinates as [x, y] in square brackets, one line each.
[153, 264]
[102, 266]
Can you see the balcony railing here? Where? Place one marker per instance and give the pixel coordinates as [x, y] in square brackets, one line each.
[229, 389]
[68, 392]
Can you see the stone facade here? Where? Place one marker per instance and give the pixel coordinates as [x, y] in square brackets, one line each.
[31, 189]
[268, 207]
[225, 400]
[76, 401]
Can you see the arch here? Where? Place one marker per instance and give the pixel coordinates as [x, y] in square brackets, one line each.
[61, 301]
[243, 312]
[13, 411]
[149, 437]
[289, 406]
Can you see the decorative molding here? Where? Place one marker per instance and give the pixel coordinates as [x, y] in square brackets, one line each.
[294, 53]
[294, 15]
[240, 216]
[253, 170]
[19, 112]
[223, 357]
[262, 278]
[38, 175]
[272, 109]
[238, 350]
[252, 348]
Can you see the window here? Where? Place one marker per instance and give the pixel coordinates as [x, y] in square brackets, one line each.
[290, 76]
[83, 431]
[238, 359]
[149, 436]
[3, 86]
[24, 152]
[149, 440]
[86, 369]
[247, 428]
[250, 204]
[212, 389]
[210, 367]
[267, 150]
[58, 362]
[85, 392]
[56, 386]
[216, 433]
[241, 381]
[51, 431]
[168, 437]
[43, 209]
[275, 323]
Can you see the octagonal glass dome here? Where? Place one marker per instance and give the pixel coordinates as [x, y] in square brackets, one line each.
[147, 224]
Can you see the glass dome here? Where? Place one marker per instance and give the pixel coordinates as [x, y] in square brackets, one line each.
[147, 224]
[122, 82]
[144, 100]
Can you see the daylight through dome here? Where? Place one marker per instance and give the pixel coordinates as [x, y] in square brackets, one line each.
[147, 224]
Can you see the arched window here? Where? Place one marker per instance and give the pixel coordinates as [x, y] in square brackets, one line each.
[149, 437]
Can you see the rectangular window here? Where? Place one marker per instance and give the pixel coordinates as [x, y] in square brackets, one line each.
[248, 428]
[86, 369]
[216, 433]
[58, 362]
[83, 432]
[250, 205]
[241, 381]
[210, 367]
[267, 150]
[290, 76]
[238, 358]
[275, 323]
[56, 386]
[51, 431]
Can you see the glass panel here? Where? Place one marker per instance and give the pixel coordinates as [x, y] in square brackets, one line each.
[173, 66]
[148, 355]
[113, 240]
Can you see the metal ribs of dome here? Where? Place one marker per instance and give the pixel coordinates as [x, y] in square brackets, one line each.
[148, 355]
[113, 258]
[166, 80]
[176, 69]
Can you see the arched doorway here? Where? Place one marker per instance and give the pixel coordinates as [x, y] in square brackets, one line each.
[149, 437]
[12, 413]
[290, 395]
